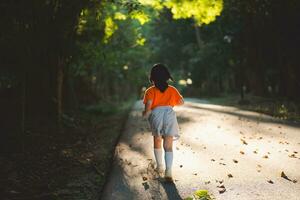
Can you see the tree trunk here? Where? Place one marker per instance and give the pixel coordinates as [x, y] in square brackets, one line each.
[23, 109]
[60, 78]
[198, 38]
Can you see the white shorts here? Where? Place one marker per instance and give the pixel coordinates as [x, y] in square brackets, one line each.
[163, 122]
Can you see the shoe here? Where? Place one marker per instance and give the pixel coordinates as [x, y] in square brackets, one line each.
[168, 175]
[159, 169]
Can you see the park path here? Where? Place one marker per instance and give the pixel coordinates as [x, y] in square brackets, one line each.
[232, 153]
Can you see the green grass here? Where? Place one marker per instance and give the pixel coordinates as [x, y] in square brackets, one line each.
[279, 108]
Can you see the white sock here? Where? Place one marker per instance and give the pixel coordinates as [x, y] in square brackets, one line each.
[169, 160]
[158, 157]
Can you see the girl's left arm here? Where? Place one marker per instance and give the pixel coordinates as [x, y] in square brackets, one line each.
[147, 108]
[180, 102]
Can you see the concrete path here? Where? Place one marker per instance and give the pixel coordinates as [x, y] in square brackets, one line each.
[234, 154]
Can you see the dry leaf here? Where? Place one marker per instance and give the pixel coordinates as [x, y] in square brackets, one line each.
[265, 156]
[292, 156]
[222, 190]
[229, 175]
[235, 161]
[241, 152]
[270, 181]
[244, 142]
[285, 176]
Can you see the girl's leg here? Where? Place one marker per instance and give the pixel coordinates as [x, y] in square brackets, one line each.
[168, 146]
[158, 152]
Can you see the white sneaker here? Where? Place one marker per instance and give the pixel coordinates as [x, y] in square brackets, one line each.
[159, 169]
[168, 175]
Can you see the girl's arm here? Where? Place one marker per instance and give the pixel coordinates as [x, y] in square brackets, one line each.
[147, 107]
[180, 102]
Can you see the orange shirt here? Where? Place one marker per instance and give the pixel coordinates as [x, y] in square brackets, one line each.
[170, 97]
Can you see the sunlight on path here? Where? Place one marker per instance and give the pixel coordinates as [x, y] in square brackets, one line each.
[220, 149]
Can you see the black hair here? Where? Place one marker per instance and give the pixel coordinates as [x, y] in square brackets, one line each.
[160, 75]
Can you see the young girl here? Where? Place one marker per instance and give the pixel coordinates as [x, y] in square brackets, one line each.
[160, 99]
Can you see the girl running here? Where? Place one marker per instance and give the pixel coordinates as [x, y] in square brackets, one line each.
[159, 101]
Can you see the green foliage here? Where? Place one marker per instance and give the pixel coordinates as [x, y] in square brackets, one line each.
[202, 195]
[202, 11]
[199, 195]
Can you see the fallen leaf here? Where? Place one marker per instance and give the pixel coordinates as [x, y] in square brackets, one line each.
[235, 161]
[255, 151]
[229, 175]
[222, 190]
[213, 160]
[295, 152]
[146, 185]
[292, 156]
[287, 178]
[270, 181]
[241, 152]
[244, 141]
[283, 175]
[266, 156]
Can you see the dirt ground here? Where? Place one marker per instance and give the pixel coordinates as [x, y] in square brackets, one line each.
[232, 153]
[69, 165]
